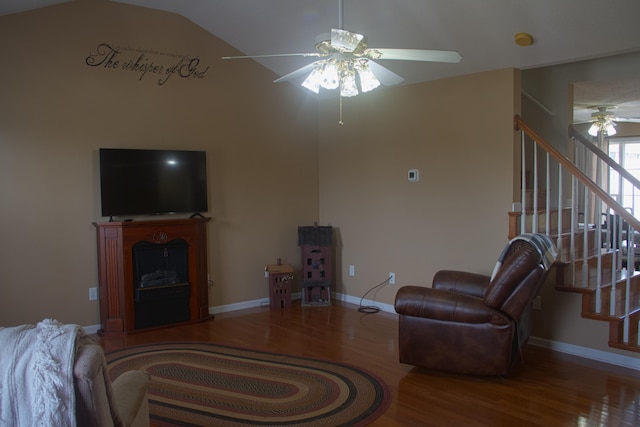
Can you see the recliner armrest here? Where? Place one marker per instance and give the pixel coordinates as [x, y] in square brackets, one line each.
[130, 396]
[461, 282]
[438, 304]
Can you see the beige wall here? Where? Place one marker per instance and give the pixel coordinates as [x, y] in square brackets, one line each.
[56, 111]
[275, 161]
[459, 134]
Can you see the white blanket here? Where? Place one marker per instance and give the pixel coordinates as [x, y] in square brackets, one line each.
[36, 374]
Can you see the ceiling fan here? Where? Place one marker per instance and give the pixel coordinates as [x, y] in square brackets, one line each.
[603, 120]
[349, 64]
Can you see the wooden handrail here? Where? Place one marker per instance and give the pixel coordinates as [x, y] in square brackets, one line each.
[520, 125]
[573, 133]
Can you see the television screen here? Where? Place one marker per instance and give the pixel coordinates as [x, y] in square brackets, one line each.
[150, 182]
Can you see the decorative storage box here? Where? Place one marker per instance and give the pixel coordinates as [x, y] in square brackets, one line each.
[280, 279]
[316, 246]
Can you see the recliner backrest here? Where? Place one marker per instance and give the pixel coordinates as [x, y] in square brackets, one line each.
[517, 281]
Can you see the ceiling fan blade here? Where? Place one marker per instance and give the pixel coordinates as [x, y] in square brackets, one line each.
[386, 76]
[626, 120]
[297, 73]
[420, 55]
[275, 55]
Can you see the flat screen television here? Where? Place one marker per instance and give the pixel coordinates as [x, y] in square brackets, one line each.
[152, 182]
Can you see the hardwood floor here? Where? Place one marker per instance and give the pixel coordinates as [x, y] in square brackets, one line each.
[549, 389]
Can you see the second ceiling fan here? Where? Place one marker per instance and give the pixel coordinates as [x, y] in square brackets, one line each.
[604, 120]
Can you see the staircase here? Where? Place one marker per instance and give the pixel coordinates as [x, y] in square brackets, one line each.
[592, 231]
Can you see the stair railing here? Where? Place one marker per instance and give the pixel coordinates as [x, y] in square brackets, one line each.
[577, 136]
[594, 216]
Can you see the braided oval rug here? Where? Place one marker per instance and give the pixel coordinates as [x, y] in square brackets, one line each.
[203, 384]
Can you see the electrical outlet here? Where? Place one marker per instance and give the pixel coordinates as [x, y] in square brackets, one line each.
[93, 294]
[352, 270]
[392, 278]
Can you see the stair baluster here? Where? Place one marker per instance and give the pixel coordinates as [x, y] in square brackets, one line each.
[602, 269]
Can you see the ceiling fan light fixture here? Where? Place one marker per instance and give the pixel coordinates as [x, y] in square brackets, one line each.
[604, 125]
[343, 73]
[368, 81]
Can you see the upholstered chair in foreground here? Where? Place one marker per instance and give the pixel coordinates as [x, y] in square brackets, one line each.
[471, 323]
[100, 402]
[55, 375]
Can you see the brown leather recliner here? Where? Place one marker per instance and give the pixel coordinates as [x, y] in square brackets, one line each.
[471, 323]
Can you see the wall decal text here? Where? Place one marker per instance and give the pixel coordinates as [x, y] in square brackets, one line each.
[145, 62]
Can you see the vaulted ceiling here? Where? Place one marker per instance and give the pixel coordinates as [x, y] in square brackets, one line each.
[482, 31]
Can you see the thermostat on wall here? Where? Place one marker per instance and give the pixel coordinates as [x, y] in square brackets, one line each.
[413, 175]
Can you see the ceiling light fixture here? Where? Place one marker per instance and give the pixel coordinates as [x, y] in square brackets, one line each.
[602, 122]
[351, 75]
[349, 64]
[604, 125]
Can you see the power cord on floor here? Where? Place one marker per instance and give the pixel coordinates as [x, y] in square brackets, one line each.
[371, 309]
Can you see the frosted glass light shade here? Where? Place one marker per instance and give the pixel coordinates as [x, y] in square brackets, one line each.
[330, 76]
[610, 129]
[348, 86]
[350, 75]
[368, 80]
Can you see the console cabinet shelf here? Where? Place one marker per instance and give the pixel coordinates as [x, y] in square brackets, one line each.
[116, 268]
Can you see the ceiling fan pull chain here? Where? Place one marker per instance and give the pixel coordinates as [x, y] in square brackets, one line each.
[340, 122]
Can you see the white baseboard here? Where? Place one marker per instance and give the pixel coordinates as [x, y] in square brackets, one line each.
[388, 308]
[575, 350]
[238, 306]
[246, 304]
[588, 353]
